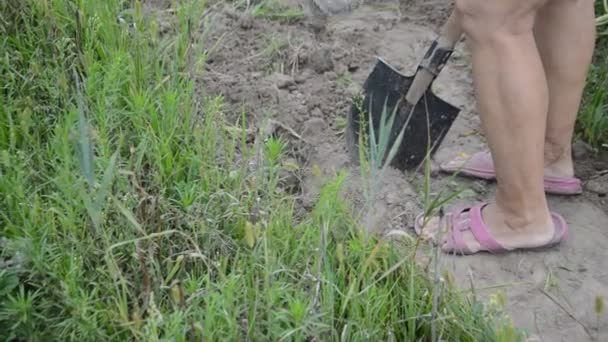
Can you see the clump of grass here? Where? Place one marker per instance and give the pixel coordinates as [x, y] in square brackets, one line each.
[592, 121]
[127, 214]
[275, 10]
[376, 152]
[593, 118]
[602, 19]
[345, 79]
[599, 310]
[274, 53]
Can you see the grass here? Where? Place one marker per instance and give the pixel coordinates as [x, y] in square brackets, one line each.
[592, 123]
[275, 10]
[602, 17]
[127, 213]
[274, 52]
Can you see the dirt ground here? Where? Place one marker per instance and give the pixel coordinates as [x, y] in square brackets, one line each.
[303, 80]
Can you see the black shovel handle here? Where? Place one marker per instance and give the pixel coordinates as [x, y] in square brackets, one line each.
[435, 58]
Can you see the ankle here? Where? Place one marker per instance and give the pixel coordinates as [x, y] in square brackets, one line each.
[561, 168]
[523, 216]
[558, 160]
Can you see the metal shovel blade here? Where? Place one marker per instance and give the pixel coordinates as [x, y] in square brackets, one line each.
[386, 86]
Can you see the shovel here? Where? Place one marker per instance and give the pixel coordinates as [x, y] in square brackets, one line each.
[419, 126]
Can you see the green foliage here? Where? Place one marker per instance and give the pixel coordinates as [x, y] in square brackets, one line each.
[593, 118]
[602, 17]
[275, 10]
[592, 121]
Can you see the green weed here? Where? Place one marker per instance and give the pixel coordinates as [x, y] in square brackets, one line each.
[275, 51]
[345, 79]
[592, 121]
[602, 18]
[376, 153]
[275, 10]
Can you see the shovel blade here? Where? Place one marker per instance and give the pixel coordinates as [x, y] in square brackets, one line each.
[386, 86]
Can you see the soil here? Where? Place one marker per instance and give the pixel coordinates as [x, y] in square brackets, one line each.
[294, 80]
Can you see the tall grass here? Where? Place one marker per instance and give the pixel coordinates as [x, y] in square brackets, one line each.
[602, 18]
[127, 211]
[592, 122]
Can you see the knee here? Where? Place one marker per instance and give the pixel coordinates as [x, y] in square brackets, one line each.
[486, 21]
[475, 20]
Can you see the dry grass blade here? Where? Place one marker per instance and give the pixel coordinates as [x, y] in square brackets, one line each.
[568, 312]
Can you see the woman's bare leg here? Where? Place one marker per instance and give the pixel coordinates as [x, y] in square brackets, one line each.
[513, 99]
[565, 36]
[527, 114]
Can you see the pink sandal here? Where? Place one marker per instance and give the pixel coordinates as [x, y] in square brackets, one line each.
[480, 165]
[474, 222]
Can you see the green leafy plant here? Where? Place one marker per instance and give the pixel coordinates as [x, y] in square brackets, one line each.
[376, 155]
[593, 118]
[592, 121]
[274, 10]
[602, 20]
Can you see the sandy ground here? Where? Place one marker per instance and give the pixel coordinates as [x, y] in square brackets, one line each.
[303, 81]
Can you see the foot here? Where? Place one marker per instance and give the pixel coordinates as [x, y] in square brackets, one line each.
[486, 228]
[559, 174]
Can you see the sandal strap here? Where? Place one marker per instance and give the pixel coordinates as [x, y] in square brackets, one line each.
[481, 232]
[458, 226]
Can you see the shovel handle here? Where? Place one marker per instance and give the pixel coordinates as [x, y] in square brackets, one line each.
[434, 59]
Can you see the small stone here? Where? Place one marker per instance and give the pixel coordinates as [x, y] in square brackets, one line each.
[479, 187]
[317, 24]
[598, 185]
[435, 169]
[231, 13]
[603, 157]
[332, 76]
[316, 112]
[341, 69]
[580, 149]
[354, 89]
[393, 198]
[339, 55]
[289, 175]
[246, 22]
[314, 126]
[321, 60]
[282, 81]
[301, 110]
[303, 76]
[164, 27]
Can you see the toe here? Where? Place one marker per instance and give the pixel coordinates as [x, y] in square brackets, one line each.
[456, 162]
[467, 245]
[430, 227]
[458, 238]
